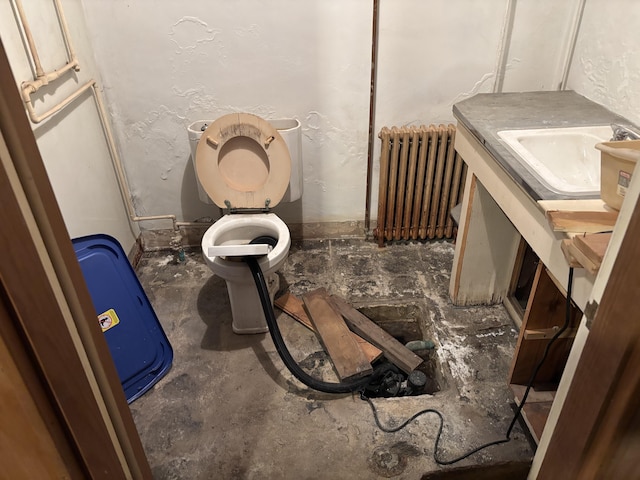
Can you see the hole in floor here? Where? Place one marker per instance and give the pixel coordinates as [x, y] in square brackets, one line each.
[407, 323]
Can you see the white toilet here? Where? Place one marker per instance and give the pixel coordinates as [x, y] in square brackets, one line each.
[245, 166]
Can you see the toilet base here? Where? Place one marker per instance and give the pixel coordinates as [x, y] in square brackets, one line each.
[246, 309]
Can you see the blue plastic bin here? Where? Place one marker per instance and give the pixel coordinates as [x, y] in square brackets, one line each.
[139, 347]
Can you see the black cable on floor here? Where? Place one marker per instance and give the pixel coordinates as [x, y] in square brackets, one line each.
[507, 438]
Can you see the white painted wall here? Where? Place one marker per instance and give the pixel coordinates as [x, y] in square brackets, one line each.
[436, 53]
[199, 60]
[71, 143]
[606, 64]
[309, 60]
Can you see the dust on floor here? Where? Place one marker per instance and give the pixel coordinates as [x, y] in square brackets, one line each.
[229, 409]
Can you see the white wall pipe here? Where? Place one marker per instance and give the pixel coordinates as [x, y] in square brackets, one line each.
[31, 45]
[43, 78]
[503, 49]
[117, 164]
[65, 30]
[40, 74]
[573, 39]
[29, 88]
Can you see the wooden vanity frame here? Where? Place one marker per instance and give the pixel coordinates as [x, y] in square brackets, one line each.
[496, 213]
[594, 420]
[498, 219]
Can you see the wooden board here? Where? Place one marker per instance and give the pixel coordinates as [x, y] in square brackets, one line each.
[581, 205]
[570, 250]
[348, 359]
[536, 409]
[294, 307]
[566, 251]
[593, 246]
[545, 310]
[588, 222]
[393, 350]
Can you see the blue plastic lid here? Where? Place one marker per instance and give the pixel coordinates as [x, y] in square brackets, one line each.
[139, 347]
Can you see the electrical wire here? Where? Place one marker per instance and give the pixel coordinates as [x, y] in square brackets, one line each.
[360, 384]
[507, 438]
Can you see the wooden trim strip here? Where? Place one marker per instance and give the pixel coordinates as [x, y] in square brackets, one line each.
[48, 293]
[595, 391]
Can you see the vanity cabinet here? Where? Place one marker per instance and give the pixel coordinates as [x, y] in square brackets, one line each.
[497, 218]
[543, 316]
[496, 214]
[505, 206]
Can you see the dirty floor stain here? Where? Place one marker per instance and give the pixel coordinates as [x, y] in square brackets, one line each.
[229, 409]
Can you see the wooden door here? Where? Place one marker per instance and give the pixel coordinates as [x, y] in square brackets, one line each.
[47, 304]
[598, 432]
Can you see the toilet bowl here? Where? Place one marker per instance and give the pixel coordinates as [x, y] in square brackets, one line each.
[244, 166]
[241, 229]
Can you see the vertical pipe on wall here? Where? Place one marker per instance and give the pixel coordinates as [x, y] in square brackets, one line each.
[575, 30]
[505, 41]
[372, 113]
[65, 30]
[43, 78]
[28, 37]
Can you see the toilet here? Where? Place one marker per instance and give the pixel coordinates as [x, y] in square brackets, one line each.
[247, 165]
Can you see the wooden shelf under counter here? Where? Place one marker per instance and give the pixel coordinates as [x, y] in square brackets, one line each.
[543, 317]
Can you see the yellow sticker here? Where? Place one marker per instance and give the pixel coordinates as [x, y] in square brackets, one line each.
[108, 319]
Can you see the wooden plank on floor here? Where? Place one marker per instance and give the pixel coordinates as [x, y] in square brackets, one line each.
[393, 350]
[294, 307]
[347, 357]
[584, 222]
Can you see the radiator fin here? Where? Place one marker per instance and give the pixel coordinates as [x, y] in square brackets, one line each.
[421, 180]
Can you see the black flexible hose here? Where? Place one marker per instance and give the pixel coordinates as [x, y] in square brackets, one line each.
[359, 385]
[283, 351]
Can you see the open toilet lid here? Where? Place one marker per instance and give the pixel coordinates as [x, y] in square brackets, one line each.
[241, 158]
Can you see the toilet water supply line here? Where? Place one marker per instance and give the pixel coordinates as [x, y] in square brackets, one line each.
[42, 78]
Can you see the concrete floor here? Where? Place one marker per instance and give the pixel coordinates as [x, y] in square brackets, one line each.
[229, 409]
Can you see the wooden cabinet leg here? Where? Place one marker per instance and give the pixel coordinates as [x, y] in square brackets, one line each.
[485, 252]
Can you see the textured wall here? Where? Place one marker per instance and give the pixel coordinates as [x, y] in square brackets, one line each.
[166, 64]
[309, 60]
[606, 62]
[71, 143]
[199, 60]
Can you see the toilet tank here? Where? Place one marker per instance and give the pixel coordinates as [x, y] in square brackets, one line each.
[290, 130]
[195, 131]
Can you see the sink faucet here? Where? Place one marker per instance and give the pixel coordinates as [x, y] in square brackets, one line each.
[620, 132]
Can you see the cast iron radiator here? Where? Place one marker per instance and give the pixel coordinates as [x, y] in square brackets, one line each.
[421, 180]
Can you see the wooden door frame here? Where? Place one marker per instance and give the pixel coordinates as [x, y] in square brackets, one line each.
[601, 398]
[52, 310]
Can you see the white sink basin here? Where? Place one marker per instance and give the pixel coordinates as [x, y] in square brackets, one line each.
[562, 159]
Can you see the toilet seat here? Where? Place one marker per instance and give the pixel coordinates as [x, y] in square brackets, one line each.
[242, 162]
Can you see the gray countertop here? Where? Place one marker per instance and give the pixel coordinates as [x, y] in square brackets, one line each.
[484, 115]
